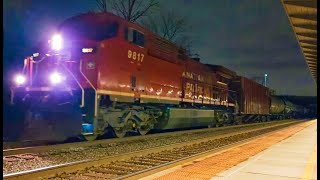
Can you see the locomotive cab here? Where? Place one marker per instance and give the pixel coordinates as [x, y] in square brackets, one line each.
[57, 86]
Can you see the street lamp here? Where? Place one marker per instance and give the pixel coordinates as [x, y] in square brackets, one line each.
[265, 79]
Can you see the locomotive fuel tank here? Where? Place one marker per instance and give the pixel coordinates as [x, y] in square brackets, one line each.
[187, 118]
[278, 106]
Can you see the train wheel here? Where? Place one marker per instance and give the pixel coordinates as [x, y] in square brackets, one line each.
[223, 120]
[143, 130]
[268, 118]
[213, 124]
[119, 132]
[90, 137]
[130, 125]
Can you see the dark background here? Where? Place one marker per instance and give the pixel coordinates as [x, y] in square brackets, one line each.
[251, 37]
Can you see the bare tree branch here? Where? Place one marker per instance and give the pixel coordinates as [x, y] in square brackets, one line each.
[164, 29]
[102, 5]
[131, 10]
[144, 10]
[172, 27]
[136, 9]
[119, 8]
[151, 24]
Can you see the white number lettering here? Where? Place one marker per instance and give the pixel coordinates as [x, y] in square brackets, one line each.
[129, 54]
[134, 55]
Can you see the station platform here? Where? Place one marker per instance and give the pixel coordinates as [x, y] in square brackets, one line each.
[283, 155]
[292, 158]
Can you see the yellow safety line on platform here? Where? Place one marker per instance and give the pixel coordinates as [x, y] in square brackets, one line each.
[308, 171]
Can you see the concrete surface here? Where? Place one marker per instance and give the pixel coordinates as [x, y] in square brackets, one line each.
[291, 159]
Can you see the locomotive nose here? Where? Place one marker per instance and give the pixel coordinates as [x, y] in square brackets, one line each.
[34, 109]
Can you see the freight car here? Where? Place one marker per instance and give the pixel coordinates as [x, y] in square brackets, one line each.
[284, 109]
[102, 74]
[253, 99]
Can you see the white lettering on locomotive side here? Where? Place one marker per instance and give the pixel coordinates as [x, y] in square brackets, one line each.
[193, 76]
[191, 89]
[135, 56]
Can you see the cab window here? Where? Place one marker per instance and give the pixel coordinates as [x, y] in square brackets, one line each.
[134, 36]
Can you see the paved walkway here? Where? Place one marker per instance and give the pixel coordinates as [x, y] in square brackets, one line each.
[291, 159]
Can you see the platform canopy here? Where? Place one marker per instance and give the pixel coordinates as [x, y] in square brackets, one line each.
[303, 18]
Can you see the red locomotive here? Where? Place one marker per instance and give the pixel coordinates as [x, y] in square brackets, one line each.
[104, 73]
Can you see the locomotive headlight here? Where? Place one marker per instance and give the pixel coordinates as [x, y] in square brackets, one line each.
[56, 78]
[56, 42]
[19, 79]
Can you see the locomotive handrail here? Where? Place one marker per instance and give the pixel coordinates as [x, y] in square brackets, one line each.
[82, 90]
[95, 90]
[24, 65]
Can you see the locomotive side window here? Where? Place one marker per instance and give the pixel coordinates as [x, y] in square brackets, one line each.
[134, 36]
[108, 31]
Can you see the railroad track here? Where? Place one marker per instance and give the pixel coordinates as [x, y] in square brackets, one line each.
[14, 148]
[124, 164]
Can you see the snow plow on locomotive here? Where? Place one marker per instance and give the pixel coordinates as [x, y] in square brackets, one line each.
[102, 74]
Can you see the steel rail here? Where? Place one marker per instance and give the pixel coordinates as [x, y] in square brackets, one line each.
[71, 167]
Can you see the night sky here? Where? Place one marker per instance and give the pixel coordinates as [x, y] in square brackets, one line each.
[251, 37]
